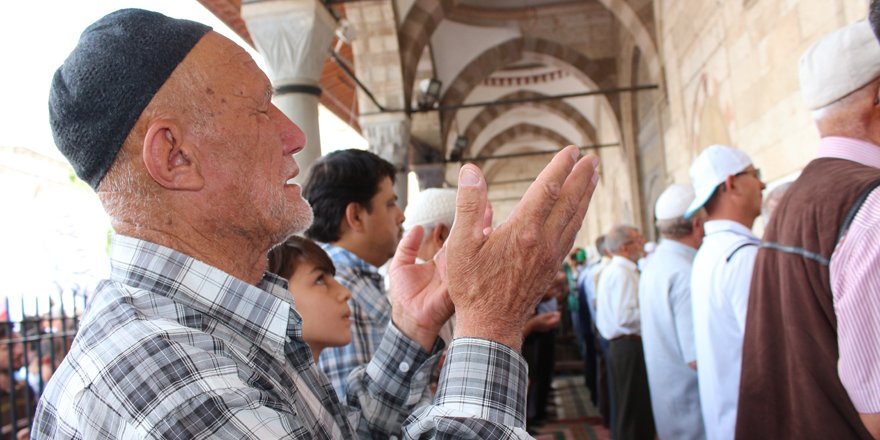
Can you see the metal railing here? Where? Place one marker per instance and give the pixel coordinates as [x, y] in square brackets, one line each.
[31, 349]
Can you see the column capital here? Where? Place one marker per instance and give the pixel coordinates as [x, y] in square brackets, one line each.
[388, 136]
[293, 36]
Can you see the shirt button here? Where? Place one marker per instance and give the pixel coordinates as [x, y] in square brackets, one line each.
[420, 376]
[393, 437]
[404, 367]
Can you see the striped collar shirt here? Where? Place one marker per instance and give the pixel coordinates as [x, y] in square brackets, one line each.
[370, 315]
[171, 347]
[855, 281]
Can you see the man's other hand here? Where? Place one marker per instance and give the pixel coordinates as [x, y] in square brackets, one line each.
[420, 304]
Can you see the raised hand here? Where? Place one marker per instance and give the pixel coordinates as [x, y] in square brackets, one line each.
[497, 277]
[420, 304]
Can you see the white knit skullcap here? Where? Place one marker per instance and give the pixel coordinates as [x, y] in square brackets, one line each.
[433, 206]
[674, 201]
[838, 64]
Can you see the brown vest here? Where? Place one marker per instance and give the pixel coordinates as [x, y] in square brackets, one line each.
[789, 388]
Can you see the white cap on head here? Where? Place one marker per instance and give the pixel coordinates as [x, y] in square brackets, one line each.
[433, 206]
[674, 201]
[838, 64]
[710, 169]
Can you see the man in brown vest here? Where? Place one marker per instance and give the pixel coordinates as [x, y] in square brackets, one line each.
[810, 355]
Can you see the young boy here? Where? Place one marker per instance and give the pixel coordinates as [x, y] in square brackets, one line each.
[320, 299]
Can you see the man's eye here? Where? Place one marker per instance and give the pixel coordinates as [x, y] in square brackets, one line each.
[321, 280]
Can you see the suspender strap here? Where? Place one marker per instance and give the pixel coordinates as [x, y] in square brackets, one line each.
[847, 221]
[796, 251]
[857, 204]
[746, 244]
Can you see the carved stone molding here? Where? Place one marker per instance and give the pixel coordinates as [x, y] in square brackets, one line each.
[388, 137]
[293, 36]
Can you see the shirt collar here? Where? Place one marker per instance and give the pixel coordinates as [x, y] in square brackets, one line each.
[678, 247]
[855, 150]
[625, 262]
[343, 256]
[713, 226]
[263, 313]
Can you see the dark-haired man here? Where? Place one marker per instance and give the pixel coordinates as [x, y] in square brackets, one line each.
[189, 337]
[358, 222]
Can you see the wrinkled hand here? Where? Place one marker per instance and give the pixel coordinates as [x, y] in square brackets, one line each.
[496, 277]
[420, 303]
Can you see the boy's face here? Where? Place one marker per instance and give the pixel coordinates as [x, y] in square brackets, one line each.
[323, 304]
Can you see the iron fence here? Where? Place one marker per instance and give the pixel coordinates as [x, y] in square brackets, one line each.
[31, 348]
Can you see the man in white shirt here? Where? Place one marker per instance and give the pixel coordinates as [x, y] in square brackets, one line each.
[729, 187]
[667, 319]
[597, 368]
[617, 310]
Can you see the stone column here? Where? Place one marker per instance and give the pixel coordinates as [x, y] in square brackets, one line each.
[294, 38]
[388, 136]
[431, 175]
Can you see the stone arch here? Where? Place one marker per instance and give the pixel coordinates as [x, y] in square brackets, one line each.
[491, 168]
[634, 26]
[503, 54]
[518, 131]
[558, 107]
[629, 130]
[413, 36]
[424, 16]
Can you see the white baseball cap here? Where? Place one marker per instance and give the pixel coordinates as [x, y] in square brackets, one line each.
[710, 169]
[674, 201]
[838, 64]
[432, 206]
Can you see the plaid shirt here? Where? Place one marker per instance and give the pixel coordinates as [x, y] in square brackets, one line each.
[173, 348]
[370, 315]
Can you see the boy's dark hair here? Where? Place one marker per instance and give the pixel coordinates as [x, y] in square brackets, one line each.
[286, 257]
[340, 178]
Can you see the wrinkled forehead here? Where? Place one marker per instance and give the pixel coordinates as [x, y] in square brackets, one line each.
[227, 65]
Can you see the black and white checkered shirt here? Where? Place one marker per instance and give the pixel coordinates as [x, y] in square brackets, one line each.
[173, 348]
[370, 315]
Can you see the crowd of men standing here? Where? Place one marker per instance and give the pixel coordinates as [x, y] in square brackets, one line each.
[721, 334]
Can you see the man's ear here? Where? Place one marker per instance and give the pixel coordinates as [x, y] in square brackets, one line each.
[170, 161]
[354, 216]
[697, 223]
[729, 183]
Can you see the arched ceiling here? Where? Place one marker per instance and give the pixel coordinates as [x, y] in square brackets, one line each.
[557, 107]
[580, 38]
[521, 130]
[498, 57]
[545, 56]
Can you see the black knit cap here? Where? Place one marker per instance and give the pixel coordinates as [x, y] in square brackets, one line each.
[105, 84]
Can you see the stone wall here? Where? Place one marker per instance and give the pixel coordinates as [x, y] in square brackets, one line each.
[730, 72]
